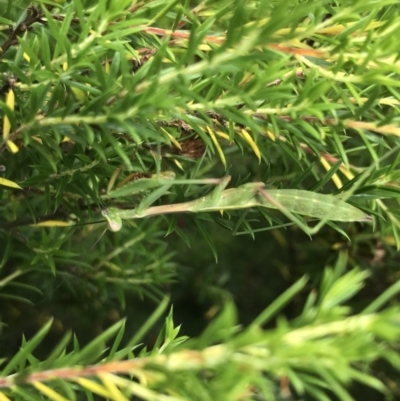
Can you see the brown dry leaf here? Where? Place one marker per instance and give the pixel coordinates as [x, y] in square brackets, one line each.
[193, 148]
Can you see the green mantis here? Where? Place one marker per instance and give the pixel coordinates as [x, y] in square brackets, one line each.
[288, 201]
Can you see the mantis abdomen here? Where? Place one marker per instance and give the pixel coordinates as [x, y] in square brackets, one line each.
[311, 204]
[306, 203]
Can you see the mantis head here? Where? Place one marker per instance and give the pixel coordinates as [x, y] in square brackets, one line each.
[113, 218]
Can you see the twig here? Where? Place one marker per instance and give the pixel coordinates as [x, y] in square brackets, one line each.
[26, 222]
[33, 15]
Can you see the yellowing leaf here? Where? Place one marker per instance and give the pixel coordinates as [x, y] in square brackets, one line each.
[10, 102]
[97, 35]
[271, 135]
[248, 138]
[10, 99]
[205, 47]
[177, 162]
[336, 29]
[111, 387]
[93, 387]
[38, 139]
[26, 57]
[8, 183]
[248, 76]
[49, 392]
[113, 178]
[12, 146]
[172, 139]
[388, 129]
[52, 223]
[390, 240]
[65, 66]
[107, 67]
[79, 94]
[335, 177]
[347, 173]
[217, 145]
[3, 397]
[223, 135]
[6, 127]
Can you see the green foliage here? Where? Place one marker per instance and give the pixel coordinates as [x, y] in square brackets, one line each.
[324, 348]
[104, 102]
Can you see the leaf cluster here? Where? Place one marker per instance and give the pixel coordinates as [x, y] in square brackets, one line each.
[96, 95]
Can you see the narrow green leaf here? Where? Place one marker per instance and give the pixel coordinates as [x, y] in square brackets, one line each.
[20, 357]
[279, 303]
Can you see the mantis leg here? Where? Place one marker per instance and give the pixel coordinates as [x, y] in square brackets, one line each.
[216, 193]
[153, 196]
[115, 216]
